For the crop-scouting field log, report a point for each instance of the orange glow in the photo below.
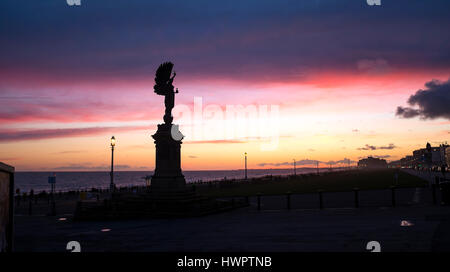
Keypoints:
(326, 118)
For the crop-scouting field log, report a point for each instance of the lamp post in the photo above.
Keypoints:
(245, 165)
(295, 170)
(111, 185)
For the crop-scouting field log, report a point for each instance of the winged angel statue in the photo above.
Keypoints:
(164, 86)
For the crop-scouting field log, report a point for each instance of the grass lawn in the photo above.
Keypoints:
(327, 182)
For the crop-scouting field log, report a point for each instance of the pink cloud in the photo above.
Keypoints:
(40, 134)
(33, 96)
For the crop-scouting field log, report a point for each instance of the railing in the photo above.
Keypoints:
(391, 197)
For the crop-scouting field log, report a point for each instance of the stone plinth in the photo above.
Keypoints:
(167, 176)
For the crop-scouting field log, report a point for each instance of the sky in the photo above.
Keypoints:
(318, 80)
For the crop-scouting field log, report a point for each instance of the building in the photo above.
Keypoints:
(429, 157)
(407, 161)
(372, 163)
(446, 156)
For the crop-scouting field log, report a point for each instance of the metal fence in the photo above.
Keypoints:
(391, 197)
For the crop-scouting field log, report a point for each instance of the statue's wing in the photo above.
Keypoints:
(163, 73)
(162, 77)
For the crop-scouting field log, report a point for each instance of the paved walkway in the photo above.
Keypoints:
(416, 226)
(397, 229)
(426, 175)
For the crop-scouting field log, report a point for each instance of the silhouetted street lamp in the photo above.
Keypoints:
(113, 143)
(245, 165)
(295, 170)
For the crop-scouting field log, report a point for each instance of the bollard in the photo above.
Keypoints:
(259, 202)
(433, 190)
(53, 208)
(393, 196)
(437, 180)
(356, 197)
(288, 200)
(320, 200)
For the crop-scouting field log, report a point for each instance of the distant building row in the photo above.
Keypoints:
(426, 158)
(372, 163)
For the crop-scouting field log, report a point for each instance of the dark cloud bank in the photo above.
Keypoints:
(431, 103)
(262, 39)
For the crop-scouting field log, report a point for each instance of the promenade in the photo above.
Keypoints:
(415, 224)
(427, 175)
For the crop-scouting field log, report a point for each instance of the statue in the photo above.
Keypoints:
(167, 176)
(164, 86)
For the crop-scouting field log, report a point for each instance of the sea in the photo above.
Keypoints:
(69, 181)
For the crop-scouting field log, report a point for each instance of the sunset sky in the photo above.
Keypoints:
(345, 76)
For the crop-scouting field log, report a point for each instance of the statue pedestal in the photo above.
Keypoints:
(167, 176)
